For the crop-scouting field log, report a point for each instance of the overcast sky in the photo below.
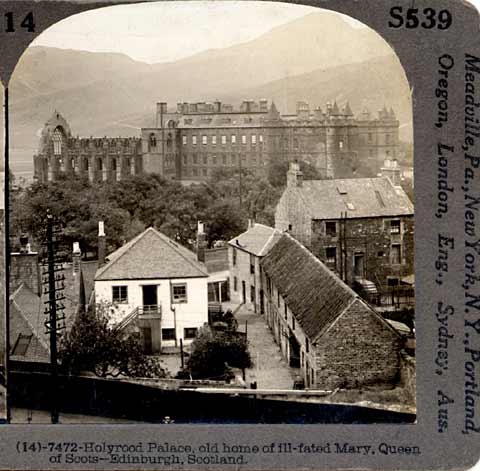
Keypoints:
(167, 31)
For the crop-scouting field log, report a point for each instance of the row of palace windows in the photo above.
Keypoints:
(389, 138)
(254, 139)
(223, 159)
(197, 172)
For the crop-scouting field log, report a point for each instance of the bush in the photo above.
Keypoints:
(214, 354)
(93, 346)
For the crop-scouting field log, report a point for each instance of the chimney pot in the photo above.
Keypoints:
(201, 242)
(101, 244)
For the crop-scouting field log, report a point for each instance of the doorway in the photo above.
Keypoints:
(294, 357)
(147, 340)
(359, 265)
(150, 299)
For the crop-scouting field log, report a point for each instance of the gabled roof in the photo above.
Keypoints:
(151, 255)
(314, 294)
(258, 240)
(27, 320)
(359, 197)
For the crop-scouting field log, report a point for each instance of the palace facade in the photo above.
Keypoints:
(194, 140)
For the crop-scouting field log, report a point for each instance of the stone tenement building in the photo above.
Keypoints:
(323, 327)
(361, 228)
(188, 144)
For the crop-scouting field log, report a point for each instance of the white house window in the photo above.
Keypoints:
(168, 334)
(120, 294)
(244, 139)
(224, 140)
(184, 140)
(260, 138)
(234, 139)
(189, 332)
(214, 140)
(254, 139)
(204, 140)
(179, 292)
(194, 140)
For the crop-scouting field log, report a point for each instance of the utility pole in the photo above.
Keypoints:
(53, 286)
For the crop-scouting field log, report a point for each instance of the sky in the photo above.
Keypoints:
(164, 31)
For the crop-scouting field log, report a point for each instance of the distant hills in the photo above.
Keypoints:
(318, 58)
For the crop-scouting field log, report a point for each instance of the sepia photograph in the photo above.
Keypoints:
(210, 221)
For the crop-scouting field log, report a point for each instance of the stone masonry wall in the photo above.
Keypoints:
(359, 349)
(374, 238)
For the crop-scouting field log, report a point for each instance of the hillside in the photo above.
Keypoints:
(323, 57)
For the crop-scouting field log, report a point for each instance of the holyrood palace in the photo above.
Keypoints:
(192, 141)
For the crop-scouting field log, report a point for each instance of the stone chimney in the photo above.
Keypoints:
(392, 170)
(161, 112)
(25, 268)
(294, 175)
(303, 110)
(201, 242)
(102, 245)
(76, 254)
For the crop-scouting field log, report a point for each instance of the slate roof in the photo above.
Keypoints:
(258, 240)
(27, 319)
(151, 255)
(314, 294)
(359, 197)
(72, 288)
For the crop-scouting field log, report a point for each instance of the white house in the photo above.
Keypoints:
(157, 288)
(245, 253)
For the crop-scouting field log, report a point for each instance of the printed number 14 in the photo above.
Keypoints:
(27, 23)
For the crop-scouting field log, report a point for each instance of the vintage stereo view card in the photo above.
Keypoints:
(240, 235)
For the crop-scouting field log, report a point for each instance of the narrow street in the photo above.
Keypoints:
(270, 370)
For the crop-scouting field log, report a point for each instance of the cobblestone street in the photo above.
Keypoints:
(270, 370)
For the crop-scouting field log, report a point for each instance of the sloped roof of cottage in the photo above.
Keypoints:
(151, 255)
(314, 294)
(359, 197)
(28, 339)
(258, 240)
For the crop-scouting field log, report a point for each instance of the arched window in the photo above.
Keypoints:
(152, 141)
(57, 139)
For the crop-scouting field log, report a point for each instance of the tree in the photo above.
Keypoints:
(213, 353)
(92, 345)
(277, 173)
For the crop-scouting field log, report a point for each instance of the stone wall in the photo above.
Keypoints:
(359, 349)
(372, 237)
